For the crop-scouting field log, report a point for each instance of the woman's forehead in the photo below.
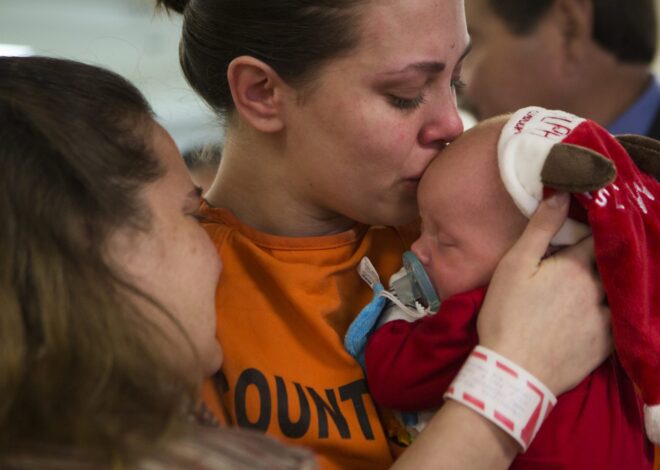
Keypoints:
(420, 30)
(175, 180)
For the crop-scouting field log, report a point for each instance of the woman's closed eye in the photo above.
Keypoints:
(413, 102)
(197, 215)
(404, 103)
(458, 84)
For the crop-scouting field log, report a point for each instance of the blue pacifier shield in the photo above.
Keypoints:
(417, 283)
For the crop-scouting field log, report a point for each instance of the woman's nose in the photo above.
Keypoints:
(444, 124)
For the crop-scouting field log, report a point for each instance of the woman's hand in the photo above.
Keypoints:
(547, 316)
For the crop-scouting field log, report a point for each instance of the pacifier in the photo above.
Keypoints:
(413, 286)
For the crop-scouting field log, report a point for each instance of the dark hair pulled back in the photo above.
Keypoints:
(176, 5)
(294, 37)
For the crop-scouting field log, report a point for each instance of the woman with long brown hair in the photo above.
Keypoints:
(333, 109)
(106, 284)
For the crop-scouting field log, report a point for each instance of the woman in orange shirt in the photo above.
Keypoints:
(333, 110)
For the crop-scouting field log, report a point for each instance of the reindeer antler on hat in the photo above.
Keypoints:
(615, 190)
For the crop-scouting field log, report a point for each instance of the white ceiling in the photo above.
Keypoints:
(126, 36)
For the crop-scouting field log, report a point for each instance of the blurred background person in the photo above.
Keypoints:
(590, 57)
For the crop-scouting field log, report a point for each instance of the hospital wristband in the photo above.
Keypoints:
(504, 393)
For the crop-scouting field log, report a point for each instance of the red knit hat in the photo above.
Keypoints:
(540, 149)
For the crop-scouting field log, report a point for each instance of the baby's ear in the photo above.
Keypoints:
(644, 151)
(576, 169)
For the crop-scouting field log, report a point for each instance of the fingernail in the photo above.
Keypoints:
(558, 200)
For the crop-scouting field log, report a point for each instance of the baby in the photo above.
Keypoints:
(469, 221)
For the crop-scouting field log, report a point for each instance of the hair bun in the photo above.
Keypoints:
(176, 5)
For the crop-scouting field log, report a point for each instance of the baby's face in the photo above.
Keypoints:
(468, 219)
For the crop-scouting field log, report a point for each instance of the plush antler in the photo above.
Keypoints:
(577, 169)
(644, 151)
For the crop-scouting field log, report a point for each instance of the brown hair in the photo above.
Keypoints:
(294, 37)
(78, 365)
(626, 29)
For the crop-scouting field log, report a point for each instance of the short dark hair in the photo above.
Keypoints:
(627, 29)
(78, 364)
(294, 37)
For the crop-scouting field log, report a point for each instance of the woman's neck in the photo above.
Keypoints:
(254, 184)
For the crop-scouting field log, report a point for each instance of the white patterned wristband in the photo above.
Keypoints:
(504, 393)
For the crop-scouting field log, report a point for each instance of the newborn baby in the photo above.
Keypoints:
(469, 221)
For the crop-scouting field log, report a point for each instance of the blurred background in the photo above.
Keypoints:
(126, 36)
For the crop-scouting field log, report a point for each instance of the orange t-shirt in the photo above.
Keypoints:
(283, 306)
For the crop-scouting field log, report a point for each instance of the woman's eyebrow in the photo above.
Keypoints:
(467, 50)
(424, 67)
(429, 67)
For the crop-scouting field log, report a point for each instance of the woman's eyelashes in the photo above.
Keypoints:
(400, 102)
(410, 103)
(197, 215)
(457, 84)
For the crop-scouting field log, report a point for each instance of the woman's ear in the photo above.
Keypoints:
(258, 93)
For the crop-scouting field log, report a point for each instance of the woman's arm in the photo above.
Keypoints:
(545, 316)
(458, 438)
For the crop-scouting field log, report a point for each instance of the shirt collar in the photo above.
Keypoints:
(638, 118)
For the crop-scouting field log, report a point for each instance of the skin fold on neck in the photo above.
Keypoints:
(254, 184)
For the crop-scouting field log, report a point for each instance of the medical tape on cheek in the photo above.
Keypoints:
(504, 393)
